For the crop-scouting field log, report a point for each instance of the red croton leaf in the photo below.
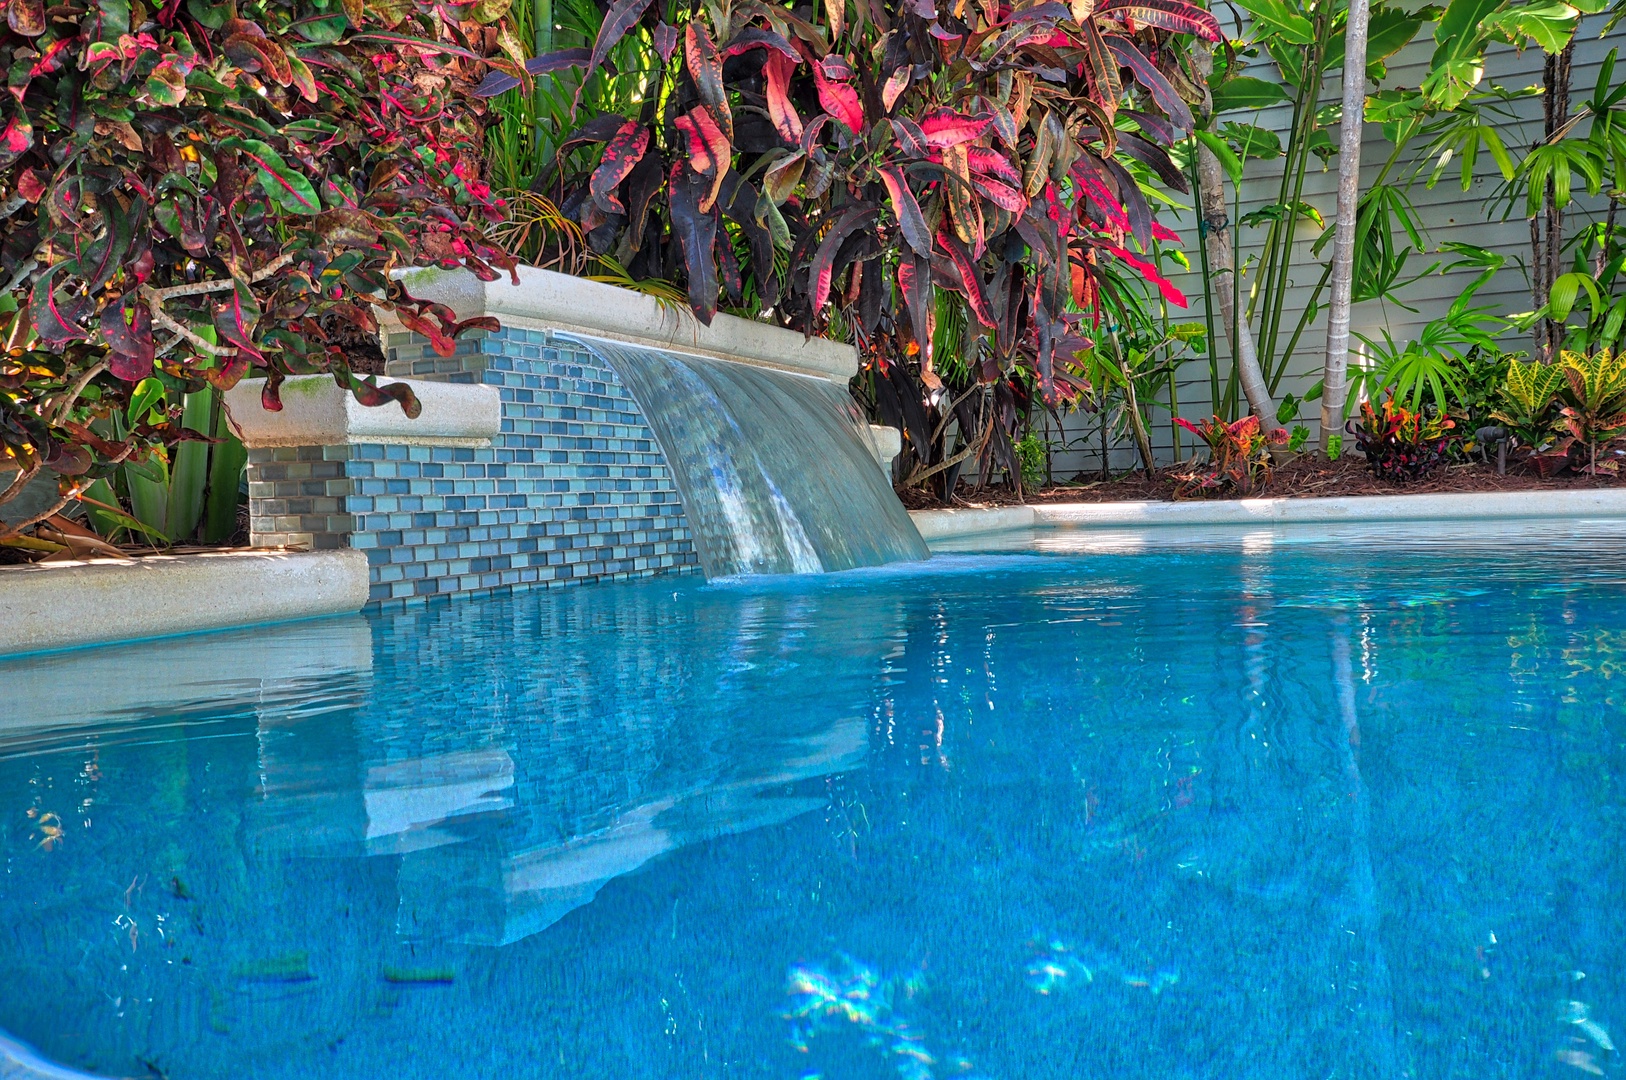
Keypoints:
(706, 69)
(910, 219)
(707, 141)
(1175, 16)
(992, 163)
(839, 100)
(1149, 271)
(945, 127)
(622, 152)
(776, 73)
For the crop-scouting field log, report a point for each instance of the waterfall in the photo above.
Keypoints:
(777, 471)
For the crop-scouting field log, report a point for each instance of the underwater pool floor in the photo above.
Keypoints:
(1269, 805)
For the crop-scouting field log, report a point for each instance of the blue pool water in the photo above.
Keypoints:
(1212, 806)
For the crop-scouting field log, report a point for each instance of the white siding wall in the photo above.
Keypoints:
(1449, 214)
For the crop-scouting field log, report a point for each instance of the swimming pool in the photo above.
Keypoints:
(1210, 805)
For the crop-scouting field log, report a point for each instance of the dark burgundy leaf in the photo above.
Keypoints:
(1156, 157)
(1155, 128)
(730, 267)
(970, 280)
(496, 82)
(666, 41)
(913, 282)
(621, 17)
(129, 339)
(753, 38)
(624, 151)
(910, 137)
(57, 322)
(910, 219)
(697, 232)
(1147, 74)
(823, 265)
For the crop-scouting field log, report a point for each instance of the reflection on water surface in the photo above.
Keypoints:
(1204, 809)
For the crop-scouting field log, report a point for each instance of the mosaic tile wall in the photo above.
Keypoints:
(574, 488)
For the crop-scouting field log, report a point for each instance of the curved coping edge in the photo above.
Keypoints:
(67, 605)
(946, 524)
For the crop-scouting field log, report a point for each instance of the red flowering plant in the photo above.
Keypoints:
(955, 187)
(199, 190)
(1401, 445)
(1238, 457)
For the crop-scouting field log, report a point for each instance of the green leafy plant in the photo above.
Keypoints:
(1528, 403)
(1238, 457)
(199, 191)
(1593, 411)
(1034, 456)
(1401, 445)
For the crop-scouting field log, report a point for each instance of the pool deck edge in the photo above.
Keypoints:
(49, 606)
(936, 525)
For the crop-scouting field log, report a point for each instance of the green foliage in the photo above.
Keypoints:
(1442, 366)
(1528, 402)
(1034, 456)
(1468, 28)
(202, 191)
(1593, 411)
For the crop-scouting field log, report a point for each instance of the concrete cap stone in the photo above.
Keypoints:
(546, 300)
(316, 412)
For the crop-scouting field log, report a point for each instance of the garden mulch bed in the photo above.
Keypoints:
(1303, 477)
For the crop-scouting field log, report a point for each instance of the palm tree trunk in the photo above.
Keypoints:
(1335, 371)
(1216, 232)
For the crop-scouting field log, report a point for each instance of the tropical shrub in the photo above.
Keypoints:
(1238, 457)
(955, 188)
(1592, 409)
(197, 191)
(1529, 403)
(1401, 445)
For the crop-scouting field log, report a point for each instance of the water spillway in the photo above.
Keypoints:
(776, 470)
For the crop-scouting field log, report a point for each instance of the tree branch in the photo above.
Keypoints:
(78, 388)
(160, 318)
(8, 531)
(23, 477)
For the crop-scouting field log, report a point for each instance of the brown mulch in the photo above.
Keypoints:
(1306, 476)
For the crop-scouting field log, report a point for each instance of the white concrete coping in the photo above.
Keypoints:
(934, 525)
(546, 300)
(316, 411)
(62, 605)
(948, 524)
(888, 444)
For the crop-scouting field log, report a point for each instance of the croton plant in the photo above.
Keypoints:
(873, 165)
(195, 191)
